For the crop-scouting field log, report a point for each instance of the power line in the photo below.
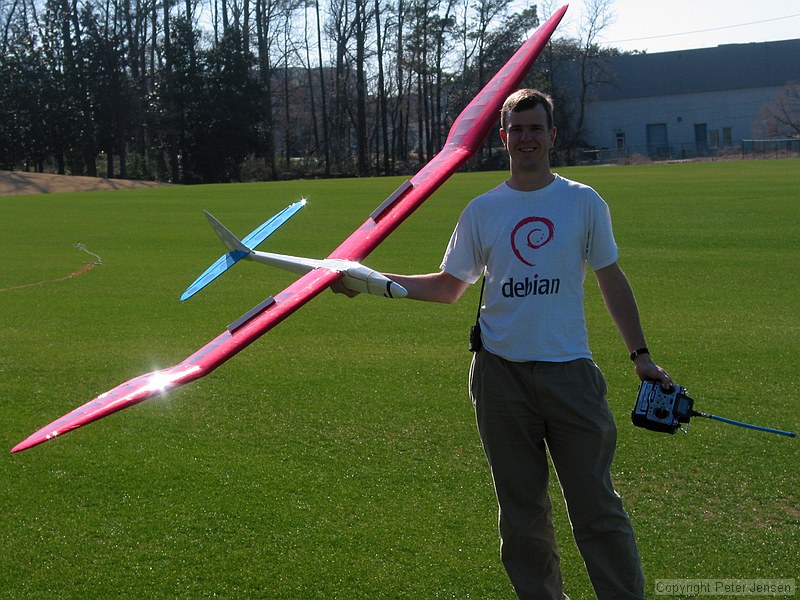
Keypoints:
(667, 35)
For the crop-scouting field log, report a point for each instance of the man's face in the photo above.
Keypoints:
(528, 138)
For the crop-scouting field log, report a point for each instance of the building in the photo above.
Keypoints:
(687, 103)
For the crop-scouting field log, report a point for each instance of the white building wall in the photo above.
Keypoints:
(727, 114)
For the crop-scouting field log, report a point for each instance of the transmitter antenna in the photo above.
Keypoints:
(745, 425)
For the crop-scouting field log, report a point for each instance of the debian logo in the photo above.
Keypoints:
(529, 235)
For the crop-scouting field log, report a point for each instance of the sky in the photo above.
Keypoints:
(663, 26)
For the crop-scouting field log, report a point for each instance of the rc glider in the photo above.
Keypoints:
(466, 135)
(355, 276)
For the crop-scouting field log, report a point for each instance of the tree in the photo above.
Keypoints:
(590, 71)
(267, 12)
(780, 117)
(382, 96)
(488, 35)
(155, 87)
(324, 96)
(222, 123)
(22, 134)
(108, 88)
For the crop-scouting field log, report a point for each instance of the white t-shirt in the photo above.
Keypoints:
(534, 248)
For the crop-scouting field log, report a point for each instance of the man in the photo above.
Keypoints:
(533, 383)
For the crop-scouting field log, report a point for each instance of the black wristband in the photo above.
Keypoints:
(636, 353)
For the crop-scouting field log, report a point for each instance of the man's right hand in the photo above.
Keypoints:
(338, 287)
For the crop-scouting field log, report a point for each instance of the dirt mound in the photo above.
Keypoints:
(14, 183)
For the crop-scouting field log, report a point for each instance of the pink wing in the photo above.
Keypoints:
(466, 135)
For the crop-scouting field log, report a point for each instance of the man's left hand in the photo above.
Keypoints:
(647, 369)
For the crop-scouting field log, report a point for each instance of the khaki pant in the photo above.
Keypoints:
(524, 411)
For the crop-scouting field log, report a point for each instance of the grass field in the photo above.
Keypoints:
(337, 457)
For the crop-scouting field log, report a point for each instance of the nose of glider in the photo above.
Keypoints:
(380, 285)
(362, 279)
(395, 290)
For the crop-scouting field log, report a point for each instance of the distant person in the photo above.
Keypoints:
(534, 385)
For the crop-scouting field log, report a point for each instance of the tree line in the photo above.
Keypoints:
(228, 90)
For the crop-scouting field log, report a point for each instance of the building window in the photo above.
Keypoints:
(727, 136)
(620, 140)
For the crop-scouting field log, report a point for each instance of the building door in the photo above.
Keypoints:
(701, 138)
(657, 144)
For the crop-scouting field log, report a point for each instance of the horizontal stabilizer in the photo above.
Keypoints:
(238, 249)
(218, 268)
(254, 238)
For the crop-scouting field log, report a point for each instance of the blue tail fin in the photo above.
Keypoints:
(238, 249)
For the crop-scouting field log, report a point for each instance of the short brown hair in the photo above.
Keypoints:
(526, 99)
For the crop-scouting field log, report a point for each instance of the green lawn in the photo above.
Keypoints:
(337, 457)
